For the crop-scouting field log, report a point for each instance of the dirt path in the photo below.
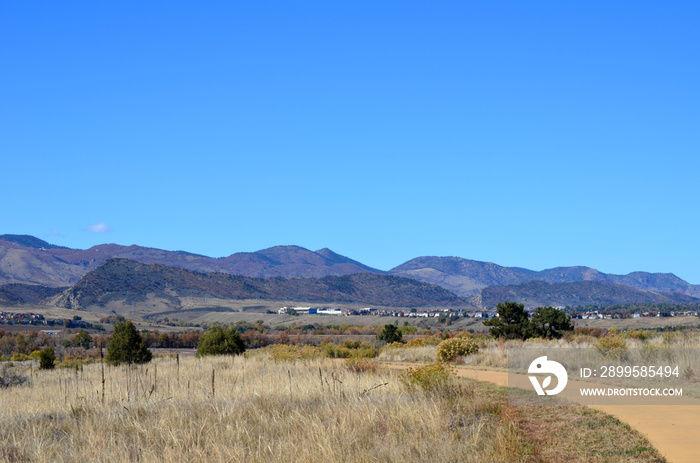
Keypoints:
(672, 429)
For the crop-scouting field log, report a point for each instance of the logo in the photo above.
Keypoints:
(543, 366)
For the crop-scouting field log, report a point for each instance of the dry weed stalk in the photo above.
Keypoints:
(253, 409)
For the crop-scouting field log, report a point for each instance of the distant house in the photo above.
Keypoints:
(328, 311)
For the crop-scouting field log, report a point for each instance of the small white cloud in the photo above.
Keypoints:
(99, 227)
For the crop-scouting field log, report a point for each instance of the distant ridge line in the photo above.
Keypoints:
(29, 260)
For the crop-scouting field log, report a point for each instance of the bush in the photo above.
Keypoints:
(425, 341)
(389, 334)
(47, 359)
(451, 349)
(430, 376)
(127, 346)
(19, 357)
(287, 353)
(612, 346)
(408, 329)
(361, 365)
(349, 349)
(640, 335)
(395, 345)
(220, 341)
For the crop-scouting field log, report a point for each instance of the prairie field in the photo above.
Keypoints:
(293, 407)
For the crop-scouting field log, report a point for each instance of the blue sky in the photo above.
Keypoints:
(533, 135)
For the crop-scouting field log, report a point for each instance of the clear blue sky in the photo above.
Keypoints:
(532, 134)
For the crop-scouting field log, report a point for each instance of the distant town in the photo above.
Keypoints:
(36, 319)
(415, 313)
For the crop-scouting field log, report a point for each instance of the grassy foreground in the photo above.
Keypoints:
(320, 410)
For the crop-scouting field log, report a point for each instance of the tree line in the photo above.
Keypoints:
(513, 322)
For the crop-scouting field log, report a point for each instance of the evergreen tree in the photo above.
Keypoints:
(511, 322)
(390, 333)
(548, 322)
(220, 341)
(127, 345)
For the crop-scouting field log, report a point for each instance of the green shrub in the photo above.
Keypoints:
(47, 359)
(389, 334)
(349, 349)
(220, 341)
(335, 351)
(354, 344)
(451, 349)
(408, 329)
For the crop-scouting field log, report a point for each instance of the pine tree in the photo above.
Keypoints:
(550, 323)
(127, 345)
(511, 323)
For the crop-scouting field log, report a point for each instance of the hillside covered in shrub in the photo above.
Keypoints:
(133, 282)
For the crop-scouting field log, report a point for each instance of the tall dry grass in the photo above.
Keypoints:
(219, 409)
(408, 354)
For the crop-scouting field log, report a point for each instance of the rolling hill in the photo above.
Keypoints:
(29, 260)
(467, 277)
(135, 283)
(26, 259)
(540, 293)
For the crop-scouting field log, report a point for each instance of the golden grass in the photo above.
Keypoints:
(275, 406)
(248, 409)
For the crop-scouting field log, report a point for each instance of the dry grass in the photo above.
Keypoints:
(260, 408)
(256, 410)
(408, 354)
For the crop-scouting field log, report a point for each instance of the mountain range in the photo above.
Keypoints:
(576, 293)
(26, 259)
(467, 277)
(29, 260)
(129, 282)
